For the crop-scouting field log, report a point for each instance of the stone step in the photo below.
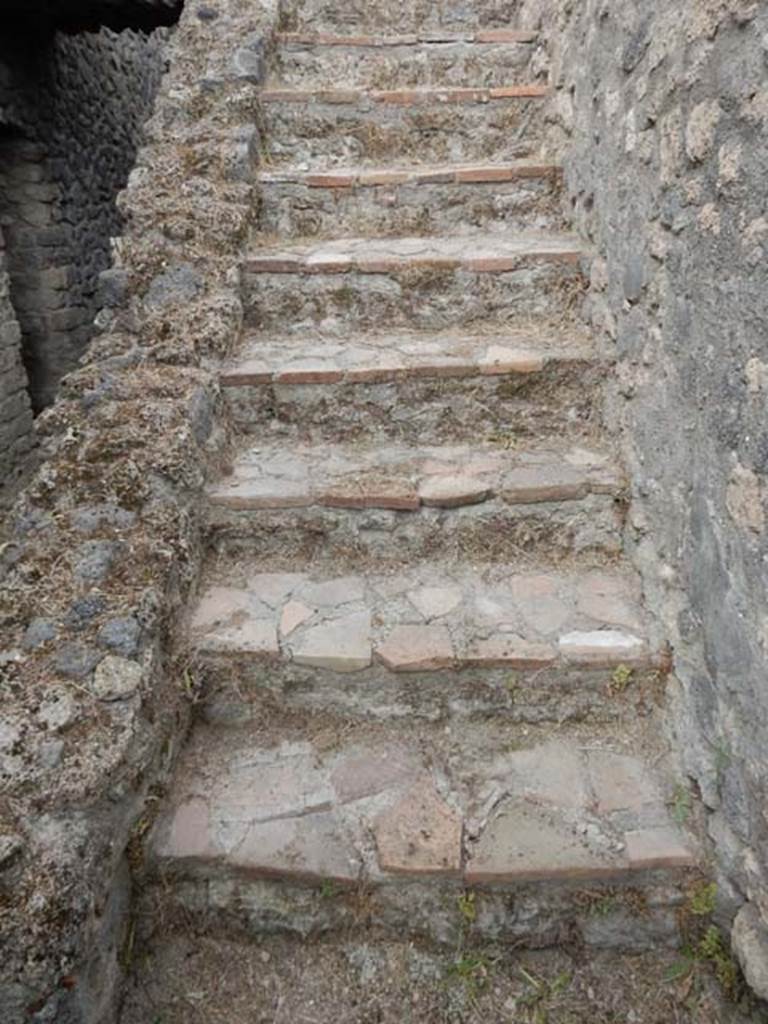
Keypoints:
(441, 829)
(426, 283)
(352, 126)
(448, 199)
(416, 388)
(362, 504)
(425, 59)
(425, 641)
(355, 17)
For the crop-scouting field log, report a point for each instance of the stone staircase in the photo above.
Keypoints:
(431, 688)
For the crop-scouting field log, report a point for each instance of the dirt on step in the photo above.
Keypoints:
(190, 980)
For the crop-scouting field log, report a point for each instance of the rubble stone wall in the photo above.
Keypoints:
(15, 412)
(661, 114)
(71, 112)
(103, 546)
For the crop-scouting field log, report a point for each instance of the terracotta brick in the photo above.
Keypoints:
(275, 265)
(518, 91)
(417, 649)
(508, 651)
(419, 835)
(317, 375)
(461, 95)
(338, 96)
(493, 264)
(602, 648)
(392, 494)
(436, 176)
(371, 178)
(330, 180)
(484, 174)
(403, 40)
(400, 97)
(504, 35)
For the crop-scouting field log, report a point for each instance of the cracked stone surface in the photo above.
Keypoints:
(374, 358)
(427, 619)
(393, 808)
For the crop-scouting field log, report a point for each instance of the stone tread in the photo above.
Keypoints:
(427, 619)
(441, 174)
(406, 478)
(494, 253)
(372, 358)
(385, 808)
(478, 36)
(407, 97)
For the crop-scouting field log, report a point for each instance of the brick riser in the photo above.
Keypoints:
(424, 297)
(588, 531)
(556, 400)
(246, 690)
(320, 133)
(297, 207)
(383, 64)
(642, 915)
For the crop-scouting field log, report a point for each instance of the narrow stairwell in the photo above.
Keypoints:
(432, 692)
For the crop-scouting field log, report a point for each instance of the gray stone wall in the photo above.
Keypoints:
(661, 112)
(15, 412)
(71, 112)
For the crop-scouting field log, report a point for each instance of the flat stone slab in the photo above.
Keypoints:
(427, 619)
(405, 479)
(375, 810)
(494, 253)
(374, 359)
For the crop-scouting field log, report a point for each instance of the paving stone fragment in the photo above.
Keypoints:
(417, 649)
(658, 848)
(510, 650)
(522, 845)
(341, 645)
(362, 775)
(453, 491)
(420, 834)
(312, 847)
(434, 602)
(621, 782)
(189, 834)
(530, 484)
(601, 647)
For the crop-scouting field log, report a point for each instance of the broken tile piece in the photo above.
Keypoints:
(507, 649)
(420, 834)
(524, 845)
(601, 647)
(341, 645)
(417, 649)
